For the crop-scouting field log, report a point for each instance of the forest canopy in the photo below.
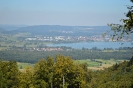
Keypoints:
(62, 72)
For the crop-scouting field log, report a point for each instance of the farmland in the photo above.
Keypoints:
(99, 64)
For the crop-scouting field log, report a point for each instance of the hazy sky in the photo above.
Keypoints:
(62, 12)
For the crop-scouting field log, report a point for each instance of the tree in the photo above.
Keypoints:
(9, 74)
(12, 74)
(50, 64)
(41, 74)
(26, 78)
(3, 70)
(130, 62)
(67, 74)
(126, 28)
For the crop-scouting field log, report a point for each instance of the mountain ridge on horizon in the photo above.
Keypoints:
(59, 30)
(9, 27)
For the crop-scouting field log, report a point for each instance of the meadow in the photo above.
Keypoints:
(99, 64)
(24, 65)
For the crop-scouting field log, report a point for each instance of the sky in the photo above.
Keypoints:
(62, 12)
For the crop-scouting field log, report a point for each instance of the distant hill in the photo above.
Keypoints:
(57, 30)
(2, 30)
(11, 27)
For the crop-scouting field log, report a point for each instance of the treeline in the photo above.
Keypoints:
(117, 76)
(62, 72)
(34, 56)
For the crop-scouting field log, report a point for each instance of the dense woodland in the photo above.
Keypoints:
(34, 56)
(62, 72)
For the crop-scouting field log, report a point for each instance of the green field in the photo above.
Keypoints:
(89, 62)
(24, 65)
(98, 64)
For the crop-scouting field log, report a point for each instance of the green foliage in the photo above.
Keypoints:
(117, 76)
(126, 27)
(130, 62)
(65, 68)
(9, 74)
(63, 72)
(50, 73)
(41, 73)
(34, 56)
(26, 78)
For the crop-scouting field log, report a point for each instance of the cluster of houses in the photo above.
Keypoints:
(48, 49)
(97, 38)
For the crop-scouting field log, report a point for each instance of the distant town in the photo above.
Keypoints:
(96, 38)
(36, 38)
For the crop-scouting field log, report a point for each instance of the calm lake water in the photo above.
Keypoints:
(89, 45)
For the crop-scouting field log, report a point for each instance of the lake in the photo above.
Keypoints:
(89, 45)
